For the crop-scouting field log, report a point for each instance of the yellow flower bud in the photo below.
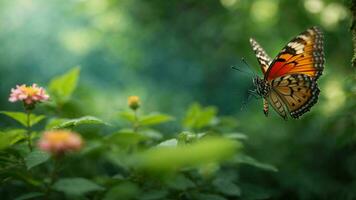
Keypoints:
(133, 102)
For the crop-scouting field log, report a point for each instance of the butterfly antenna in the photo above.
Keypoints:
(249, 66)
(237, 69)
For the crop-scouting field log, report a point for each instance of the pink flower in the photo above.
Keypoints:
(28, 94)
(60, 141)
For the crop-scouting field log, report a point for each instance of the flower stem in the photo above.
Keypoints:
(52, 175)
(136, 122)
(28, 126)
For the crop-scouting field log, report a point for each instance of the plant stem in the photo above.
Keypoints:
(52, 175)
(28, 124)
(136, 122)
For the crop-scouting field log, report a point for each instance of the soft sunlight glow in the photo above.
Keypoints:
(264, 11)
(228, 3)
(332, 14)
(78, 41)
(335, 96)
(314, 6)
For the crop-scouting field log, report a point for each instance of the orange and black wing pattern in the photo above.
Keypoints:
(302, 55)
(298, 92)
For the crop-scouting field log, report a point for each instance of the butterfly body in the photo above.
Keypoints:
(289, 82)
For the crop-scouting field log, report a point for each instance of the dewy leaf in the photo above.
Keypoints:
(80, 121)
(22, 117)
(62, 87)
(76, 186)
(35, 158)
(10, 137)
(154, 119)
(30, 195)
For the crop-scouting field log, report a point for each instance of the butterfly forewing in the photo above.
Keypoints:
(302, 55)
(262, 57)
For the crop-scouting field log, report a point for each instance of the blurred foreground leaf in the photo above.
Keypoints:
(10, 137)
(30, 195)
(87, 120)
(208, 150)
(76, 186)
(35, 158)
(62, 87)
(21, 117)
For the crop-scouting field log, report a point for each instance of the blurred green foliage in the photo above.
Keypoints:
(173, 53)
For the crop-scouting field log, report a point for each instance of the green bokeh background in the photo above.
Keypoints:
(173, 53)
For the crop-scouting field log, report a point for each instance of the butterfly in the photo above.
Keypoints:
(290, 80)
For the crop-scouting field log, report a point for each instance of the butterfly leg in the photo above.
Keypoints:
(265, 107)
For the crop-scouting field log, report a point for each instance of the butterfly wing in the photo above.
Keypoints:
(277, 104)
(298, 92)
(302, 55)
(261, 55)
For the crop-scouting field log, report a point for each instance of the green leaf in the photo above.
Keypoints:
(129, 116)
(153, 134)
(22, 117)
(187, 137)
(126, 190)
(30, 195)
(154, 119)
(10, 137)
(236, 136)
(169, 143)
(202, 152)
(35, 158)
(253, 162)
(181, 182)
(226, 187)
(87, 120)
(198, 117)
(154, 195)
(76, 186)
(125, 137)
(200, 196)
(54, 122)
(62, 87)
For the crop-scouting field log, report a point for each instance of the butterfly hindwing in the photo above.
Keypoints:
(298, 92)
(277, 104)
(261, 55)
(302, 55)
